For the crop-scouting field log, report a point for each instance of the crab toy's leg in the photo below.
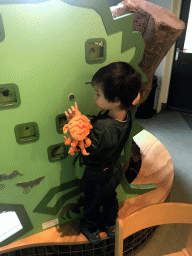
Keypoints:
(87, 142)
(82, 146)
(71, 151)
(73, 148)
(74, 143)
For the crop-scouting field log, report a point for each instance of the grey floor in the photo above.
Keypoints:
(174, 130)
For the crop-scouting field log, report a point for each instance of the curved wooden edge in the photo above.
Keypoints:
(156, 214)
(181, 253)
(66, 234)
(184, 252)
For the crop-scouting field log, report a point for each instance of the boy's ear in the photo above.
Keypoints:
(137, 99)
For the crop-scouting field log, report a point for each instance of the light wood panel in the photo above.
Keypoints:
(181, 253)
(157, 167)
(152, 215)
(65, 234)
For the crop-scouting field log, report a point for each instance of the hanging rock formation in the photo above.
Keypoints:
(160, 29)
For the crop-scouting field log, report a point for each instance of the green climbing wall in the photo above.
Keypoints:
(48, 51)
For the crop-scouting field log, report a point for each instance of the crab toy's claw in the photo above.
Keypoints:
(65, 128)
(87, 142)
(67, 141)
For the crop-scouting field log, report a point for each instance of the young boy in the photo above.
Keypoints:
(117, 87)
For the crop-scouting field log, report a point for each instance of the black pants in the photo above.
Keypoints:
(97, 193)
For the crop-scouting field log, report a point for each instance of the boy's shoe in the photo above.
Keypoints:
(110, 231)
(94, 237)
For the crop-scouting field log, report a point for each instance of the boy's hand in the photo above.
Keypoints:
(72, 113)
(137, 99)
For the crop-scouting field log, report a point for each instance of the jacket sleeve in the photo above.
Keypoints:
(99, 137)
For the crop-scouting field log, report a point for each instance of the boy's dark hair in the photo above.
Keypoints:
(119, 79)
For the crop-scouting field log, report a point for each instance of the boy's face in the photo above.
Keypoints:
(100, 99)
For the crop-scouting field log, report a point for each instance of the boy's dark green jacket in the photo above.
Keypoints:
(106, 136)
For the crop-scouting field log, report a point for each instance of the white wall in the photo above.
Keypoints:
(163, 3)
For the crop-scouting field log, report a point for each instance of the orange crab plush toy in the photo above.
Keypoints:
(78, 127)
